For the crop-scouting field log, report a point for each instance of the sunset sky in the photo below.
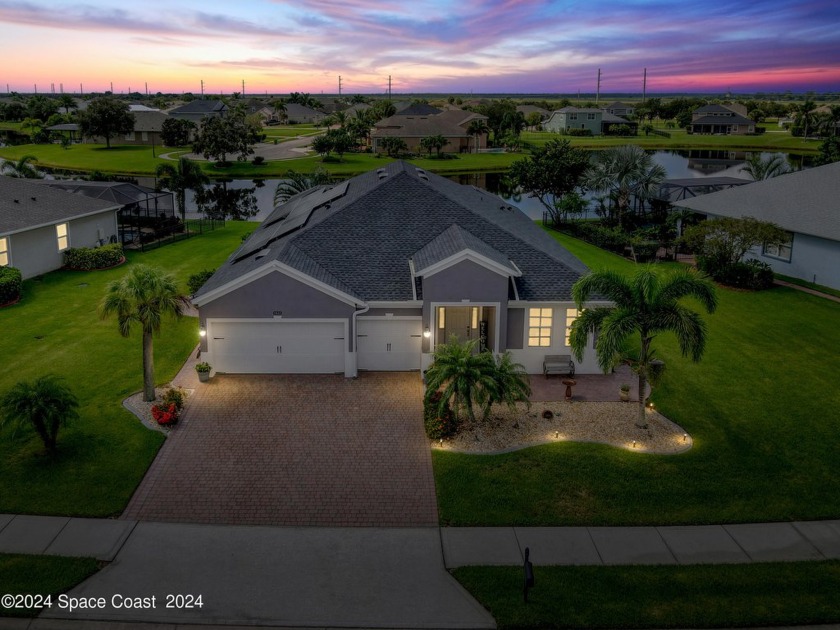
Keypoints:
(479, 46)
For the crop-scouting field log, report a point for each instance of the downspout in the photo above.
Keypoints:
(355, 340)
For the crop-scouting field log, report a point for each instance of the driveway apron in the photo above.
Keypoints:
(295, 450)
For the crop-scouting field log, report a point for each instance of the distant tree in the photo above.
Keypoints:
(647, 305)
(765, 168)
(726, 240)
(41, 107)
(21, 168)
(359, 126)
(829, 151)
(393, 146)
(45, 404)
(322, 145)
(106, 116)
(380, 110)
(804, 115)
(294, 183)
(341, 141)
(12, 111)
(143, 297)
(477, 128)
(435, 143)
(533, 119)
(279, 107)
(219, 137)
(500, 114)
(176, 132)
(178, 178)
(67, 102)
(224, 203)
(550, 172)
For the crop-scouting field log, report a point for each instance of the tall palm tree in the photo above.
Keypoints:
(187, 174)
(645, 305)
(67, 102)
(294, 183)
(465, 376)
(22, 168)
(143, 296)
(805, 115)
(45, 403)
(760, 168)
(476, 128)
(620, 171)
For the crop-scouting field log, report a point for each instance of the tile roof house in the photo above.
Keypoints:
(37, 223)
(373, 273)
(721, 119)
(805, 203)
(452, 124)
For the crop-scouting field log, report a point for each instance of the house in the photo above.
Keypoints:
(452, 124)
(721, 119)
(567, 118)
(377, 271)
(610, 124)
(199, 109)
(301, 114)
(38, 223)
(617, 108)
(805, 203)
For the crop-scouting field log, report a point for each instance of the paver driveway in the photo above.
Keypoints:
(316, 450)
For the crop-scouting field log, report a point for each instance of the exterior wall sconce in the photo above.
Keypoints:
(427, 333)
(202, 331)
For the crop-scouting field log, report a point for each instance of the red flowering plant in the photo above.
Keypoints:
(165, 415)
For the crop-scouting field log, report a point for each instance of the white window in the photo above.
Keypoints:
(4, 251)
(61, 235)
(572, 116)
(590, 116)
(781, 251)
(539, 327)
(571, 315)
(441, 317)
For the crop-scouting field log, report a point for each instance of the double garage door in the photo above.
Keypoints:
(313, 347)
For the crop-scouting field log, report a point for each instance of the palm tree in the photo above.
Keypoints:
(22, 168)
(143, 296)
(646, 304)
(294, 183)
(45, 403)
(805, 115)
(510, 384)
(67, 102)
(760, 168)
(476, 128)
(187, 174)
(467, 377)
(620, 171)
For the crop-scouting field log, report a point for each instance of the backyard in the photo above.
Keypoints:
(758, 407)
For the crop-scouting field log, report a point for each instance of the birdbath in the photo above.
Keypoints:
(569, 383)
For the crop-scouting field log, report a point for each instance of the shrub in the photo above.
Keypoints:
(752, 274)
(197, 280)
(577, 132)
(10, 283)
(258, 160)
(612, 239)
(165, 414)
(90, 258)
(173, 396)
(438, 425)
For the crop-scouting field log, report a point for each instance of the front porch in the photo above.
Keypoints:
(589, 387)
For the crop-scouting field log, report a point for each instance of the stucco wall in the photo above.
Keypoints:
(812, 258)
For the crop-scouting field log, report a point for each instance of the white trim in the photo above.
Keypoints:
(6, 251)
(413, 284)
(62, 220)
(269, 267)
(472, 256)
(433, 325)
(387, 304)
(537, 303)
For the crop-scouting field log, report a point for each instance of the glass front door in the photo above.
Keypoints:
(467, 323)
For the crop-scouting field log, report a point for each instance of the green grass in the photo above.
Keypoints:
(44, 575)
(660, 597)
(809, 285)
(759, 407)
(125, 160)
(56, 329)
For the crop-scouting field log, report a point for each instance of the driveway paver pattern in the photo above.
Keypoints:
(295, 450)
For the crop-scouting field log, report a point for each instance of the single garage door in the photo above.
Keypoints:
(388, 344)
(277, 347)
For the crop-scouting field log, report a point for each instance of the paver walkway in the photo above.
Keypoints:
(305, 450)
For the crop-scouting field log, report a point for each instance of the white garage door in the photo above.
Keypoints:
(277, 347)
(389, 344)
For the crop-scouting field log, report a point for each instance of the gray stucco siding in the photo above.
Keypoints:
(812, 258)
(516, 329)
(274, 292)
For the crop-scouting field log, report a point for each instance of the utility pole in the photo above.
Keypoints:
(112, 87)
(147, 88)
(81, 90)
(598, 88)
(202, 88)
(339, 85)
(61, 87)
(52, 88)
(36, 88)
(389, 87)
(644, 87)
(243, 88)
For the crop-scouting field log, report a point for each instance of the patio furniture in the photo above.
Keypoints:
(560, 364)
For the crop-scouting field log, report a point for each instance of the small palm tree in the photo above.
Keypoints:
(645, 305)
(45, 403)
(759, 168)
(463, 376)
(510, 385)
(620, 171)
(143, 296)
(187, 174)
(22, 168)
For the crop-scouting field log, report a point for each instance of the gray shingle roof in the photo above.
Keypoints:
(199, 106)
(806, 201)
(452, 241)
(365, 238)
(25, 204)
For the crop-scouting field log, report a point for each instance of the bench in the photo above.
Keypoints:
(561, 364)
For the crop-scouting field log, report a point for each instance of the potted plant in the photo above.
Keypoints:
(203, 370)
(624, 392)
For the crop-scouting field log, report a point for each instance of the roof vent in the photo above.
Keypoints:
(16, 201)
(33, 199)
(262, 253)
(422, 174)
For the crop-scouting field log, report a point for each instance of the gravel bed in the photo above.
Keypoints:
(143, 409)
(611, 423)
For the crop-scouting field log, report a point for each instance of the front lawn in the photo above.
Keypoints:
(699, 596)
(760, 407)
(56, 329)
(40, 575)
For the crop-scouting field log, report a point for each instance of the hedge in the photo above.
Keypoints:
(89, 258)
(752, 274)
(10, 283)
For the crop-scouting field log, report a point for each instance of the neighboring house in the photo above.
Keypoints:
(418, 109)
(562, 120)
(38, 223)
(608, 121)
(147, 126)
(527, 110)
(301, 114)
(805, 203)
(452, 124)
(721, 119)
(198, 110)
(617, 108)
(377, 271)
